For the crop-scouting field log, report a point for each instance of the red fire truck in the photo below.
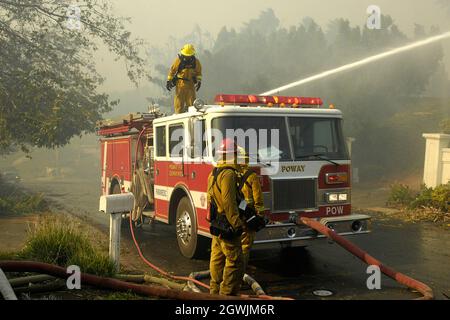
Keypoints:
(304, 169)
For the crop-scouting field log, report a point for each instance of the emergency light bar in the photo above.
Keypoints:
(242, 99)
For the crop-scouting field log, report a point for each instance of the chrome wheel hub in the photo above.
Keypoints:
(184, 228)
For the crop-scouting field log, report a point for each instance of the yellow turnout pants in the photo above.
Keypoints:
(226, 266)
(247, 239)
(184, 97)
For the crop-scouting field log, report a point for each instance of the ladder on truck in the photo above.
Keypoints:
(142, 178)
(131, 123)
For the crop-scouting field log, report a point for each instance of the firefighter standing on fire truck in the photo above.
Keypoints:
(251, 189)
(226, 264)
(186, 76)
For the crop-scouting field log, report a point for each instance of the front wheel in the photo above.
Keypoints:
(116, 189)
(190, 243)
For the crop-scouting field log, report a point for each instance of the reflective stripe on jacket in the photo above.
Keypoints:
(226, 197)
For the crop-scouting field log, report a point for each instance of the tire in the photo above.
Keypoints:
(191, 244)
(116, 189)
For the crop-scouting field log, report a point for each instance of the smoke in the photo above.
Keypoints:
(360, 63)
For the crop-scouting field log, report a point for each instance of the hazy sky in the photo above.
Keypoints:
(156, 20)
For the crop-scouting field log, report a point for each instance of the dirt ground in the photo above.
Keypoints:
(13, 231)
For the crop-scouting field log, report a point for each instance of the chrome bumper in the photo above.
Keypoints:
(290, 232)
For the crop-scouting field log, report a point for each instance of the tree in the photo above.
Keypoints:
(266, 23)
(444, 4)
(48, 81)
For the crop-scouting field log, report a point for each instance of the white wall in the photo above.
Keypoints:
(437, 159)
(445, 165)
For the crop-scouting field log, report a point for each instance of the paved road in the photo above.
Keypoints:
(418, 250)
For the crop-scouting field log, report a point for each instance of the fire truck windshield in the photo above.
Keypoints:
(310, 136)
(264, 138)
(317, 136)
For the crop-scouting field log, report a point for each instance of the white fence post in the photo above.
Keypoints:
(355, 171)
(349, 141)
(434, 162)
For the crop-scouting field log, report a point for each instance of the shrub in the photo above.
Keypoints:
(14, 200)
(437, 198)
(58, 242)
(400, 195)
(422, 199)
(23, 204)
(441, 197)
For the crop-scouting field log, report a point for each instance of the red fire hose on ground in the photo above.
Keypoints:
(425, 290)
(114, 284)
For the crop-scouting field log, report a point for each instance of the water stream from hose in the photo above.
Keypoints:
(360, 63)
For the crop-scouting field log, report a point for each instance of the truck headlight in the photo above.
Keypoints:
(332, 197)
(336, 197)
(343, 197)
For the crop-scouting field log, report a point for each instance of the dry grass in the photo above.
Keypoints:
(58, 239)
(426, 214)
(427, 204)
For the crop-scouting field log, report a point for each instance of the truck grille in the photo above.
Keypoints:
(294, 194)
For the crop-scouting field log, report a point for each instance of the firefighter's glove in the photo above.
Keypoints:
(198, 85)
(169, 85)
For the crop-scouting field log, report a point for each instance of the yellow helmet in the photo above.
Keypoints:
(188, 50)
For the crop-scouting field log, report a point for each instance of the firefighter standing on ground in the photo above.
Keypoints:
(251, 189)
(186, 76)
(226, 264)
